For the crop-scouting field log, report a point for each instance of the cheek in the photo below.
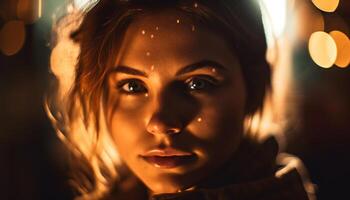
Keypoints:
(221, 125)
(220, 130)
(125, 110)
(127, 125)
(220, 117)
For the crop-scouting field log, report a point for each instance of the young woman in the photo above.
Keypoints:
(160, 102)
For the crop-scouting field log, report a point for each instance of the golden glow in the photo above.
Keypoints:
(326, 5)
(29, 10)
(343, 47)
(82, 4)
(323, 49)
(70, 8)
(64, 55)
(12, 37)
(63, 58)
(81, 139)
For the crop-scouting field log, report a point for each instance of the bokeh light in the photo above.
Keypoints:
(29, 10)
(326, 5)
(12, 37)
(343, 48)
(323, 49)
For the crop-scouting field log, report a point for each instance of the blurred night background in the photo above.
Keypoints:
(312, 74)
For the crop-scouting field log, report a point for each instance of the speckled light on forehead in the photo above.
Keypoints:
(193, 28)
(149, 32)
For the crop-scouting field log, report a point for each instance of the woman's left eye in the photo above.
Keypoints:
(132, 86)
(200, 83)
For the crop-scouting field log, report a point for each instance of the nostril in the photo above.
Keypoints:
(173, 131)
(163, 129)
(158, 124)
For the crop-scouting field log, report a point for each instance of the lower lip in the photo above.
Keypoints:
(167, 162)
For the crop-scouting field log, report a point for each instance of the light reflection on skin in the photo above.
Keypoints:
(139, 121)
(193, 27)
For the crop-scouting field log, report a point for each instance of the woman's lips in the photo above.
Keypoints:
(168, 158)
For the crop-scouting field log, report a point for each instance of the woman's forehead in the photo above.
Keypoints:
(163, 17)
(157, 37)
(164, 24)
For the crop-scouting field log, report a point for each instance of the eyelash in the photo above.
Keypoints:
(123, 83)
(209, 82)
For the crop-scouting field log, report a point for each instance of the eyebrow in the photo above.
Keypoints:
(189, 68)
(129, 70)
(200, 65)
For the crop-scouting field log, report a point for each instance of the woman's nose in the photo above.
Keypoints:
(160, 124)
(171, 111)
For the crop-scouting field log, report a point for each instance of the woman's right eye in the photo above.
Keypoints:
(132, 86)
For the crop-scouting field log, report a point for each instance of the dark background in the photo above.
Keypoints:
(32, 160)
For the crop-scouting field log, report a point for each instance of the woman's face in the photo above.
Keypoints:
(176, 101)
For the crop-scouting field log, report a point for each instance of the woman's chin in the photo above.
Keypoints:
(162, 187)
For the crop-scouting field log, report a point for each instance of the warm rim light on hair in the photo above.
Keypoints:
(274, 15)
(81, 4)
